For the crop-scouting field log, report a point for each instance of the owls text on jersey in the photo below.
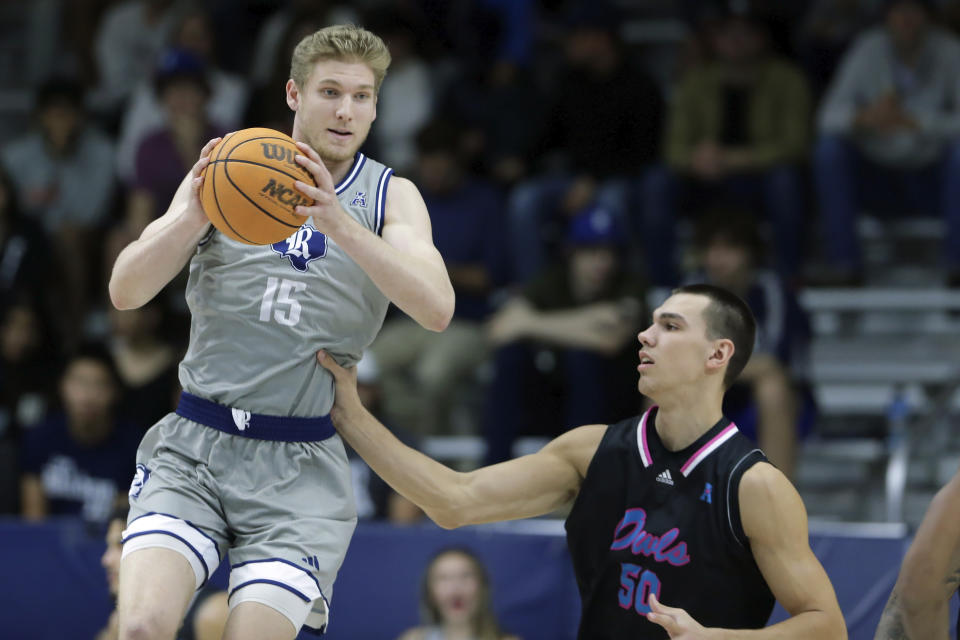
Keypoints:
(260, 313)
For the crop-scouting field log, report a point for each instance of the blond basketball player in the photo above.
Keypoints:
(249, 465)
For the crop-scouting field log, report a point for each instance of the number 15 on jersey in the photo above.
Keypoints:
(281, 292)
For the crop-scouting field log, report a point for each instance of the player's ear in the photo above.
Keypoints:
(293, 95)
(720, 354)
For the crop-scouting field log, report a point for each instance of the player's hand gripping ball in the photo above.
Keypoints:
(248, 191)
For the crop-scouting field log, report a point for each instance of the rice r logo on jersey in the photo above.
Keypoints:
(303, 247)
(140, 477)
(360, 199)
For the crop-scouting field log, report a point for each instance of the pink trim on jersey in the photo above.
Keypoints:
(708, 448)
(642, 438)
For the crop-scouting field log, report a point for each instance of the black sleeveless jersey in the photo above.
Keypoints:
(648, 520)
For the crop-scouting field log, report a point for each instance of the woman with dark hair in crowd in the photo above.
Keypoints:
(455, 601)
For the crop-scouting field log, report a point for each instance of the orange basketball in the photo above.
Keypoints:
(248, 191)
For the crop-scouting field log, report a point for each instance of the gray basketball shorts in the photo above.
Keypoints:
(283, 510)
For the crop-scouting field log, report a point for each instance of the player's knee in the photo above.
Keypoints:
(145, 625)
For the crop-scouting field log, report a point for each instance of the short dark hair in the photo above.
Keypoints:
(59, 90)
(732, 225)
(727, 316)
(99, 353)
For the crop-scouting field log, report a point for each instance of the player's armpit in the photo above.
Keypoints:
(529, 486)
(775, 521)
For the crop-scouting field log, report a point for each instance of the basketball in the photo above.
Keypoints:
(248, 191)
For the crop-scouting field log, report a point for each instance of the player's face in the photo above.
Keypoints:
(335, 108)
(674, 349)
(455, 586)
(111, 557)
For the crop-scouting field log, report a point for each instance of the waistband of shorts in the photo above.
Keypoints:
(258, 426)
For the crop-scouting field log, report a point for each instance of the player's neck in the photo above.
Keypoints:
(338, 168)
(681, 420)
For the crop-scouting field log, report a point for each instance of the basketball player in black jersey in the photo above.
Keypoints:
(674, 505)
(919, 606)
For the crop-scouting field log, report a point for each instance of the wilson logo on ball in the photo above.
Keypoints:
(279, 152)
(283, 194)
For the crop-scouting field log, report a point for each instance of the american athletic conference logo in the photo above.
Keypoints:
(303, 247)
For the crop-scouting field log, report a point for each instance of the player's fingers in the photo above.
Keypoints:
(659, 607)
(199, 166)
(207, 148)
(329, 363)
(315, 193)
(320, 172)
(665, 621)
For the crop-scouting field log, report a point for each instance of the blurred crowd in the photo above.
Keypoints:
(576, 157)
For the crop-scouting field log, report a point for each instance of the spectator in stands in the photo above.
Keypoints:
(272, 44)
(25, 364)
(80, 461)
(374, 498)
(146, 362)
(207, 615)
(499, 147)
(167, 153)
(264, 109)
(145, 114)
(132, 33)
(455, 600)
(771, 402)
(603, 127)
(566, 342)
(406, 99)
(423, 369)
(738, 128)
(888, 134)
(27, 266)
(828, 28)
(64, 178)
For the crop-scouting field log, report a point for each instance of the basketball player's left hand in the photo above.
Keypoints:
(346, 398)
(678, 623)
(326, 210)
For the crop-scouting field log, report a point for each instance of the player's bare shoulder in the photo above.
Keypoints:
(404, 204)
(768, 500)
(578, 446)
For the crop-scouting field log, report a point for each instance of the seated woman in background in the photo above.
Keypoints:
(455, 600)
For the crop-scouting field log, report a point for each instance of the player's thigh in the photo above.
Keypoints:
(292, 514)
(256, 621)
(156, 586)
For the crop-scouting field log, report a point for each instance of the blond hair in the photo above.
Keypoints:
(344, 42)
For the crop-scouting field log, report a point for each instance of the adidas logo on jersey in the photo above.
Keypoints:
(665, 477)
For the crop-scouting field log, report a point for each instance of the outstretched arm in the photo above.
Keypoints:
(403, 264)
(775, 521)
(919, 604)
(525, 487)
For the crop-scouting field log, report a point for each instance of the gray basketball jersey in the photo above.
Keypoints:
(260, 313)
